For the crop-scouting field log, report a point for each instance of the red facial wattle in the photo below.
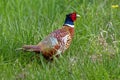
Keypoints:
(73, 16)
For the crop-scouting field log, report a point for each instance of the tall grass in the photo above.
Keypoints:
(93, 54)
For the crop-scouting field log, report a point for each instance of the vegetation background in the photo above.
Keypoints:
(93, 55)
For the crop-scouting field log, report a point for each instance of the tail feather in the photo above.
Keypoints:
(19, 49)
(30, 48)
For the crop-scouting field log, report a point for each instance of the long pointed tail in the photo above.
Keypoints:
(31, 48)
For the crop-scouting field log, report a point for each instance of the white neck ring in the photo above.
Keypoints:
(70, 25)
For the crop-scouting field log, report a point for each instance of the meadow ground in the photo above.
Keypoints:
(93, 55)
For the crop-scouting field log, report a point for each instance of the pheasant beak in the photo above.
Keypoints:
(78, 15)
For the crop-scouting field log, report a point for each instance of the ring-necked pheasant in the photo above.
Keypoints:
(57, 41)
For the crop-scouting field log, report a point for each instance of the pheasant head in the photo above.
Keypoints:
(70, 18)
